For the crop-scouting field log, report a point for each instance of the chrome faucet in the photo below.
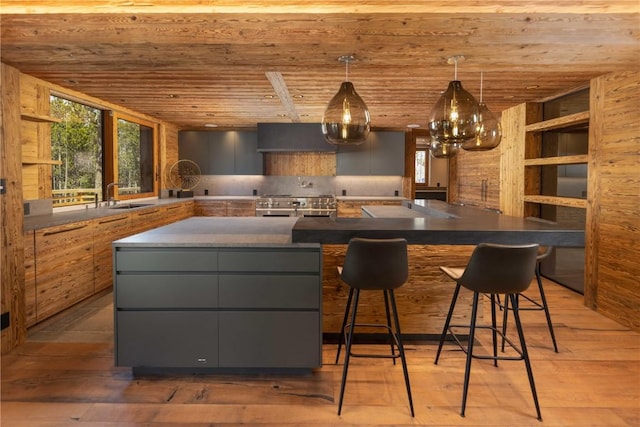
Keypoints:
(111, 198)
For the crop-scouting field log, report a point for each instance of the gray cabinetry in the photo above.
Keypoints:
(221, 153)
(218, 308)
(381, 154)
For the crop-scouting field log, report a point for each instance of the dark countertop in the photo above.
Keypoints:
(439, 224)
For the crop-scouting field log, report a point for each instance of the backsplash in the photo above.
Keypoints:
(243, 185)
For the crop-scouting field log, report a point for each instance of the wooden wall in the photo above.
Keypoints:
(300, 164)
(11, 212)
(612, 273)
(478, 181)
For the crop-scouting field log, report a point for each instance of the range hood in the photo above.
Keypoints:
(292, 137)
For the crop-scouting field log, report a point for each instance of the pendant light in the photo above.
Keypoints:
(346, 120)
(454, 117)
(441, 150)
(489, 130)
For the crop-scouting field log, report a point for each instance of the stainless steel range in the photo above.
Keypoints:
(287, 205)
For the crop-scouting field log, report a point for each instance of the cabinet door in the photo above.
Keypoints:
(387, 153)
(64, 267)
(222, 153)
(241, 208)
(195, 146)
(276, 291)
(105, 231)
(353, 159)
(265, 339)
(248, 161)
(29, 278)
(185, 339)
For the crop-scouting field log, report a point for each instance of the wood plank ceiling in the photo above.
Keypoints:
(237, 63)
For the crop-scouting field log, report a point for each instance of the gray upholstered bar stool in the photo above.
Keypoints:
(492, 270)
(533, 304)
(374, 265)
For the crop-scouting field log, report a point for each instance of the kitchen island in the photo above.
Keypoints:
(218, 295)
(438, 234)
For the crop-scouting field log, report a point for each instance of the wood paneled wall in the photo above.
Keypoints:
(422, 302)
(300, 164)
(478, 179)
(12, 270)
(512, 155)
(612, 273)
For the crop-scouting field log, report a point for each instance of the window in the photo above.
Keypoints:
(76, 142)
(97, 147)
(135, 158)
(131, 159)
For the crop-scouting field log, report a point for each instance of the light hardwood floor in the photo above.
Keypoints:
(64, 376)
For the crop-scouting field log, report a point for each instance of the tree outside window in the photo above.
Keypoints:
(76, 141)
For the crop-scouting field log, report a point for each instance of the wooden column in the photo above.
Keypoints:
(12, 304)
(612, 250)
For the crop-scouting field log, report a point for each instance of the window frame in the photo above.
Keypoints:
(110, 121)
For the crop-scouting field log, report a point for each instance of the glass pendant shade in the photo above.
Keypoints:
(489, 132)
(441, 150)
(454, 117)
(346, 120)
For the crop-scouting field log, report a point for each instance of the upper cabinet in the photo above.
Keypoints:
(292, 137)
(222, 153)
(381, 154)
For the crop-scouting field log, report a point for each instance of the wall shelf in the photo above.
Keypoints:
(40, 118)
(41, 162)
(557, 201)
(568, 121)
(560, 160)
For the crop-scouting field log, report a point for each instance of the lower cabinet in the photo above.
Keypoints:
(353, 208)
(219, 308)
(64, 267)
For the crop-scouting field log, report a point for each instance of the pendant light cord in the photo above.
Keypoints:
(481, 79)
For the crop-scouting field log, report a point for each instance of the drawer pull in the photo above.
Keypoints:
(107, 221)
(51, 233)
(143, 213)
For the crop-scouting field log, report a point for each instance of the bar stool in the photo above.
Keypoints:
(374, 265)
(534, 305)
(493, 269)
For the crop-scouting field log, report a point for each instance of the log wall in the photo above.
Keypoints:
(612, 271)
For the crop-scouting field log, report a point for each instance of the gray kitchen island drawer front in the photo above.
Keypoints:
(173, 259)
(167, 339)
(291, 260)
(269, 291)
(167, 290)
(270, 340)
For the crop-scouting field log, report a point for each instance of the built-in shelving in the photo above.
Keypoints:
(41, 118)
(41, 162)
(571, 120)
(560, 160)
(557, 201)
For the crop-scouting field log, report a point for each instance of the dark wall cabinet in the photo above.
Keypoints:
(222, 153)
(382, 154)
(293, 137)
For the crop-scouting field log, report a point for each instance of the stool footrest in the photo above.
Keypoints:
(482, 356)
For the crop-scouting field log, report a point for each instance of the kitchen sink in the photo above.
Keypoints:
(130, 205)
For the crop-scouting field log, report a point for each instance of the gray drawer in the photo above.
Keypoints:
(184, 259)
(296, 260)
(167, 339)
(166, 290)
(269, 291)
(270, 340)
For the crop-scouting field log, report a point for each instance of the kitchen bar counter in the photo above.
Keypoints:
(217, 232)
(439, 223)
